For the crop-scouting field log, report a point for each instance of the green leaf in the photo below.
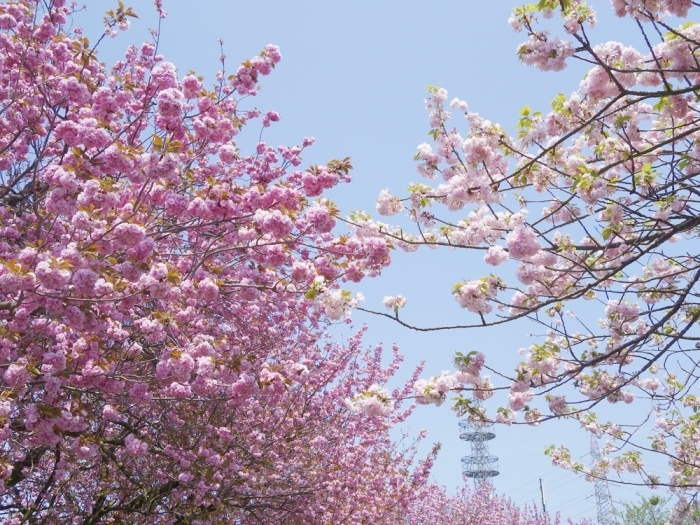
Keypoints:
(558, 102)
(621, 119)
(661, 104)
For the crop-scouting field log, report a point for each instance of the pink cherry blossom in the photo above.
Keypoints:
(496, 255)
(587, 198)
(165, 296)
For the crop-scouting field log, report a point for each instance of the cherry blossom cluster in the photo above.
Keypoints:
(164, 298)
(588, 213)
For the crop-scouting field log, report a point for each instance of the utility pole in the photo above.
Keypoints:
(544, 505)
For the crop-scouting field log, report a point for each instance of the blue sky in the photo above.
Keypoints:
(353, 75)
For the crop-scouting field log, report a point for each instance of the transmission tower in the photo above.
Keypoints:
(480, 466)
(603, 500)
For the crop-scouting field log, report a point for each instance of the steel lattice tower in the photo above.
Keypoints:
(603, 500)
(480, 466)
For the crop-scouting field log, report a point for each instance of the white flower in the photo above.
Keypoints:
(387, 204)
(394, 303)
(375, 401)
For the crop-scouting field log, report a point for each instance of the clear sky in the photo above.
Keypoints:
(353, 75)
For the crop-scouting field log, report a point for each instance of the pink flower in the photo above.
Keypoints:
(104, 103)
(5, 408)
(139, 392)
(652, 383)
(93, 136)
(135, 446)
(376, 251)
(679, 8)
(273, 53)
(474, 365)
(84, 280)
(7, 21)
(475, 296)
(598, 83)
(128, 234)
(164, 75)
(16, 375)
(496, 255)
(558, 405)
(477, 149)
(274, 223)
(270, 116)
(52, 278)
(110, 414)
(374, 402)
(522, 243)
(69, 132)
(191, 86)
(320, 218)
(301, 271)
(208, 290)
(227, 153)
(75, 92)
(387, 204)
(392, 303)
(545, 52)
(315, 182)
(170, 103)
(518, 399)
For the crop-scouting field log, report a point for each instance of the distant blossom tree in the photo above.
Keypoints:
(482, 507)
(591, 212)
(163, 300)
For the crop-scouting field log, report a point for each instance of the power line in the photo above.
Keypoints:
(586, 510)
(550, 471)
